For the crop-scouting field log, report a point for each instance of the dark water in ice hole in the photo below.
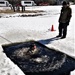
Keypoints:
(44, 61)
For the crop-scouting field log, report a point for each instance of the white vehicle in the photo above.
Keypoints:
(27, 3)
(4, 3)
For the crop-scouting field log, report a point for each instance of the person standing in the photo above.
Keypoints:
(64, 19)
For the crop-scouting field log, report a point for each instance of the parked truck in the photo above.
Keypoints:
(4, 3)
(28, 3)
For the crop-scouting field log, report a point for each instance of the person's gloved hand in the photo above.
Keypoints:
(67, 23)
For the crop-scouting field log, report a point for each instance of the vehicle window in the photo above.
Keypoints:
(27, 2)
(2, 2)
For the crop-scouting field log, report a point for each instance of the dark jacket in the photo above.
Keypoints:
(65, 15)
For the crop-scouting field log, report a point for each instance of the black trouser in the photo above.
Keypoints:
(63, 29)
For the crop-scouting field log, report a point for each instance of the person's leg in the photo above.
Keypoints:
(64, 31)
(64, 26)
(60, 30)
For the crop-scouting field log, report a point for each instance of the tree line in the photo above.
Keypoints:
(17, 3)
(51, 2)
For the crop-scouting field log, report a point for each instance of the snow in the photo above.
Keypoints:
(18, 29)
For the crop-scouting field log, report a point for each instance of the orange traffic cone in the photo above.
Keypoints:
(52, 28)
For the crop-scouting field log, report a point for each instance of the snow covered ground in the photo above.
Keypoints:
(18, 29)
